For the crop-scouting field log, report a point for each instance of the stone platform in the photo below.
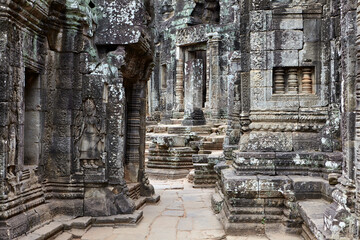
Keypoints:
(248, 204)
(170, 149)
(184, 213)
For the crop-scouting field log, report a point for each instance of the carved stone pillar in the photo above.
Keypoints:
(292, 81)
(180, 85)
(306, 81)
(279, 81)
(214, 74)
(133, 135)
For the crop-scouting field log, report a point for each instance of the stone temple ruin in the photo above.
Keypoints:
(257, 99)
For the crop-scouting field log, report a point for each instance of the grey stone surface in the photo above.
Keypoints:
(275, 82)
(62, 119)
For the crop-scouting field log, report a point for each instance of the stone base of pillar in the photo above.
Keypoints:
(196, 118)
(178, 115)
(192, 122)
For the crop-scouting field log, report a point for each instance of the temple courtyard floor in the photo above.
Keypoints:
(182, 213)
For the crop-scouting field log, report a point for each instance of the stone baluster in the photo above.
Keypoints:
(180, 85)
(306, 81)
(292, 81)
(279, 81)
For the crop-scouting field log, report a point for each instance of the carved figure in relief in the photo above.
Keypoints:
(11, 164)
(12, 152)
(91, 141)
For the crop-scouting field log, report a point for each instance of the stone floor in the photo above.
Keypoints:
(182, 213)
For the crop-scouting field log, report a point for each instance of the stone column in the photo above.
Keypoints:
(279, 81)
(214, 75)
(343, 208)
(4, 107)
(193, 114)
(306, 81)
(179, 81)
(357, 122)
(133, 134)
(293, 81)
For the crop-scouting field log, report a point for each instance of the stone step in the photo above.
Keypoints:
(312, 212)
(176, 121)
(307, 234)
(79, 223)
(160, 129)
(45, 232)
(170, 166)
(212, 145)
(178, 129)
(64, 236)
(117, 220)
(134, 190)
(255, 218)
(257, 210)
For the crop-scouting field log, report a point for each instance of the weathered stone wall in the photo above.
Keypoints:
(71, 117)
(283, 75)
(183, 27)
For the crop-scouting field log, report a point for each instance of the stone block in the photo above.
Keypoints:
(169, 140)
(289, 40)
(261, 78)
(257, 21)
(65, 79)
(65, 99)
(103, 202)
(333, 178)
(4, 114)
(312, 30)
(260, 4)
(273, 186)
(307, 187)
(5, 89)
(270, 141)
(62, 144)
(306, 141)
(258, 60)
(258, 155)
(286, 58)
(66, 61)
(287, 22)
(62, 117)
(309, 55)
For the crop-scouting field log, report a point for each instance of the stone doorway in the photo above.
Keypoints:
(32, 120)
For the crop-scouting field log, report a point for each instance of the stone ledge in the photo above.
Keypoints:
(312, 212)
(55, 228)
(175, 173)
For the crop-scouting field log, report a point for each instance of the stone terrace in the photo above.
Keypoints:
(183, 213)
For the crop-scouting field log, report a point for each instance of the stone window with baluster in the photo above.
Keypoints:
(293, 80)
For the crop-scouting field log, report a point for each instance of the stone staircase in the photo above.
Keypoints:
(249, 203)
(172, 150)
